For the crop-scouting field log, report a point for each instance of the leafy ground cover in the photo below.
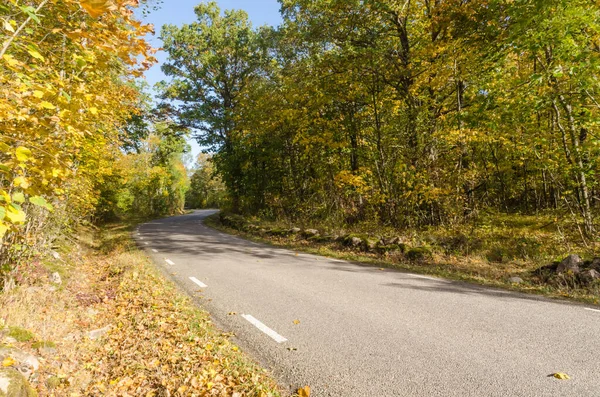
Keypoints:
(113, 326)
(511, 252)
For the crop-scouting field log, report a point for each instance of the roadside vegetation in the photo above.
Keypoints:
(109, 324)
(512, 253)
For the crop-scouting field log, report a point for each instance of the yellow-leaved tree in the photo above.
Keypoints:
(66, 68)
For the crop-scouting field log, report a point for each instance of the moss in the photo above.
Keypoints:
(419, 253)
(53, 382)
(20, 334)
(278, 232)
(43, 344)
(321, 239)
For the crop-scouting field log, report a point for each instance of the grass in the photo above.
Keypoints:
(488, 252)
(159, 342)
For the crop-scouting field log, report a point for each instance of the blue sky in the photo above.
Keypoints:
(178, 12)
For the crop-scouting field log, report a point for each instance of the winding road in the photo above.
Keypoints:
(353, 330)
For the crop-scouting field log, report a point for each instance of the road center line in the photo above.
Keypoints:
(170, 262)
(145, 242)
(155, 251)
(198, 282)
(592, 310)
(272, 334)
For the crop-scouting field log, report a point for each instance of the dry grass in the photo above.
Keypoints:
(159, 343)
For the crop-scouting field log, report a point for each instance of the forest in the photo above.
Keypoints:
(400, 113)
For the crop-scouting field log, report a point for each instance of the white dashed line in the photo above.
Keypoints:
(141, 238)
(170, 262)
(592, 310)
(198, 282)
(426, 278)
(155, 251)
(145, 242)
(272, 334)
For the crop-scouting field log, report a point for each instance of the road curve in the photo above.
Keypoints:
(352, 330)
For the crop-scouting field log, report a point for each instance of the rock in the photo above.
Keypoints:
(13, 384)
(515, 280)
(355, 241)
(570, 263)
(55, 278)
(98, 333)
(56, 255)
(25, 363)
(595, 264)
(310, 232)
(295, 230)
(390, 241)
(589, 276)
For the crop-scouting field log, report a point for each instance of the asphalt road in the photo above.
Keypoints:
(367, 332)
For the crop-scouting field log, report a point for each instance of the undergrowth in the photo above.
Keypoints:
(489, 251)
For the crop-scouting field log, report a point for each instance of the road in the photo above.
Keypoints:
(352, 330)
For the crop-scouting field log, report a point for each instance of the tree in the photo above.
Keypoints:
(211, 62)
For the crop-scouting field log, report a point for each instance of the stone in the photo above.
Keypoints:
(589, 276)
(13, 384)
(355, 241)
(56, 255)
(515, 280)
(310, 233)
(595, 264)
(26, 363)
(20, 357)
(55, 278)
(295, 230)
(570, 263)
(99, 333)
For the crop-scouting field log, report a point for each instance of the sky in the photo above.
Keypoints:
(178, 12)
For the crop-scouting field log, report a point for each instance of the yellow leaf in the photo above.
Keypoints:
(38, 94)
(8, 26)
(23, 154)
(3, 229)
(35, 53)
(21, 181)
(10, 60)
(93, 110)
(304, 392)
(96, 7)
(296, 322)
(209, 385)
(8, 362)
(561, 376)
(15, 216)
(47, 105)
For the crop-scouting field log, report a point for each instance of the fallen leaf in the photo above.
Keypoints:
(8, 362)
(561, 376)
(232, 313)
(304, 392)
(296, 322)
